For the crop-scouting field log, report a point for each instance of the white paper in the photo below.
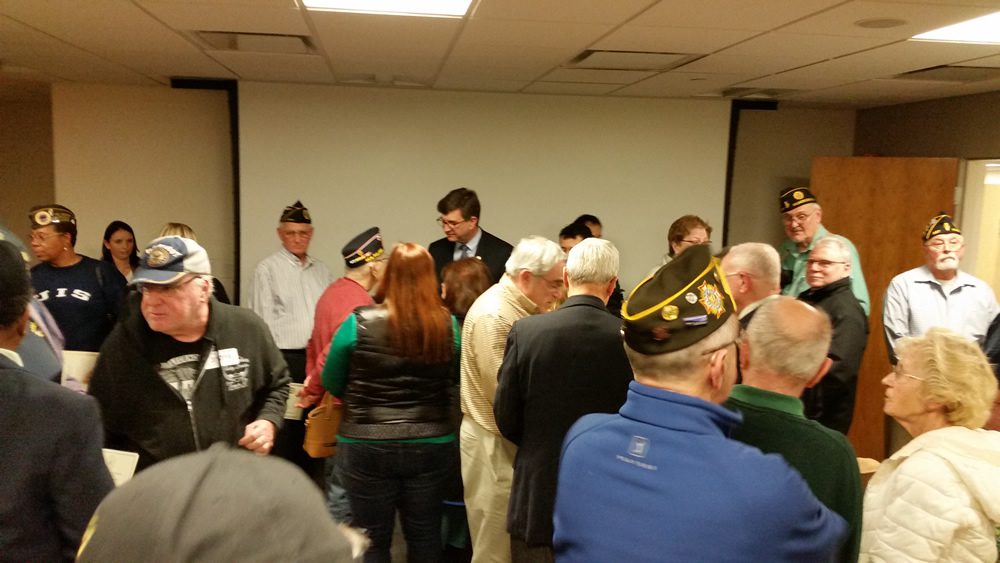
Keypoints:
(120, 464)
(77, 369)
(293, 412)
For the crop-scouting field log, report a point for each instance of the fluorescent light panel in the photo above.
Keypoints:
(429, 8)
(984, 30)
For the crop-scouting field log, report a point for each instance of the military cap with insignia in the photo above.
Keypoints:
(168, 259)
(364, 248)
(296, 213)
(683, 302)
(941, 224)
(796, 197)
(42, 215)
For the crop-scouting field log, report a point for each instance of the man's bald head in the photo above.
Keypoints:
(788, 338)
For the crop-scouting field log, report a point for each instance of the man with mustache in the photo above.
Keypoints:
(938, 293)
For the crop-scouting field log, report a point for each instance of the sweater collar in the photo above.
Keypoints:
(768, 399)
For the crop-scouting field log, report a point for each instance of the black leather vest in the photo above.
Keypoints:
(389, 397)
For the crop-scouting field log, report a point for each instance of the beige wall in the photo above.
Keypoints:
(362, 156)
(26, 170)
(774, 151)
(146, 156)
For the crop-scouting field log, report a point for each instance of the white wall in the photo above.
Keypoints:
(774, 151)
(146, 156)
(359, 157)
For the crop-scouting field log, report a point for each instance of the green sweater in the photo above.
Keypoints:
(775, 423)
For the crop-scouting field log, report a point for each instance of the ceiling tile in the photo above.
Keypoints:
(759, 15)
(681, 84)
(549, 35)
(571, 88)
(462, 82)
(597, 76)
(276, 67)
(872, 92)
(919, 18)
(633, 37)
(993, 61)
(577, 11)
(283, 19)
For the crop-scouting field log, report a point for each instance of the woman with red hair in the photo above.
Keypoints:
(392, 364)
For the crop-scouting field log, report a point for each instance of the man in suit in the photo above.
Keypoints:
(557, 368)
(462, 236)
(753, 271)
(50, 446)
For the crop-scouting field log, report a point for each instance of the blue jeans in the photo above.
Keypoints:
(336, 496)
(383, 477)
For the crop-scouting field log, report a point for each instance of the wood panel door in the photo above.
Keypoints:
(882, 204)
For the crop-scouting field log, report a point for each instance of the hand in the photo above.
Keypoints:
(259, 437)
(306, 400)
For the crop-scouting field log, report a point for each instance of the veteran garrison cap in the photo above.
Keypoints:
(364, 248)
(296, 213)
(42, 215)
(796, 197)
(941, 224)
(168, 259)
(683, 302)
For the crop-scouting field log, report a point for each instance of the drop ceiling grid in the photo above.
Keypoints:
(209, 16)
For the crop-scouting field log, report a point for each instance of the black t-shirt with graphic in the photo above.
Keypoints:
(178, 363)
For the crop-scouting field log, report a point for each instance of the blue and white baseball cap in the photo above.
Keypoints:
(168, 259)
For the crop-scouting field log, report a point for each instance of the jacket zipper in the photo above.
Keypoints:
(190, 406)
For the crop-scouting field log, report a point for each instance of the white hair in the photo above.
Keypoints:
(759, 260)
(593, 260)
(535, 254)
(837, 244)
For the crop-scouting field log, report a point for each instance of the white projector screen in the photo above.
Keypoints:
(358, 157)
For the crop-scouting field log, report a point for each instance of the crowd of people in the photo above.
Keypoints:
(501, 402)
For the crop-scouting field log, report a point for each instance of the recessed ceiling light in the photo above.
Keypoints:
(984, 30)
(427, 8)
(880, 23)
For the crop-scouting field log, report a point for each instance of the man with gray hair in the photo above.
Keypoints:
(532, 283)
(828, 273)
(659, 480)
(557, 368)
(753, 271)
(782, 354)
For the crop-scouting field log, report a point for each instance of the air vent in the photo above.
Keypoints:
(630, 60)
(952, 74)
(256, 42)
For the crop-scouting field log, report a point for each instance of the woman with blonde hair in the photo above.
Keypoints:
(938, 497)
(392, 365)
(182, 230)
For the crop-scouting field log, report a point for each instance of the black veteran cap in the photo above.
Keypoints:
(682, 303)
(48, 214)
(796, 197)
(941, 224)
(364, 248)
(296, 213)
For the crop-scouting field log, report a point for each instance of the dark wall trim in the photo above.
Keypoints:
(734, 126)
(231, 87)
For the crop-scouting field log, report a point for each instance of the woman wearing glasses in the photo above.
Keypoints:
(393, 364)
(686, 232)
(938, 497)
(84, 295)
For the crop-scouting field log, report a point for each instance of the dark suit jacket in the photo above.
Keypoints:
(557, 367)
(491, 250)
(52, 473)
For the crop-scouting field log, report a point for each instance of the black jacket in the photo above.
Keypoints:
(144, 414)
(389, 397)
(556, 368)
(831, 402)
(491, 250)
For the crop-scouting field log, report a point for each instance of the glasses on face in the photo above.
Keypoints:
(822, 264)
(941, 244)
(551, 284)
(42, 237)
(799, 218)
(298, 234)
(166, 290)
(695, 241)
(897, 373)
(446, 224)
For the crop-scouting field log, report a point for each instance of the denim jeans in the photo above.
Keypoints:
(381, 478)
(336, 496)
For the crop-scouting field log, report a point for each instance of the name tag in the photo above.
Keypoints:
(229, 357)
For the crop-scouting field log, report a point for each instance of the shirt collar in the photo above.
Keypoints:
(793, 248)
(756, 304)
(924, 275)
(12, 356)
(508, 285)
(768, 399)
(473, 243)
(295, 259)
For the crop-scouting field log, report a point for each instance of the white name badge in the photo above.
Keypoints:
(229, 357)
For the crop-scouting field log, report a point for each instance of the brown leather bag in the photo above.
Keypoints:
(321, 428)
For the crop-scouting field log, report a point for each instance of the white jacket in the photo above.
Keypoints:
(936, 499)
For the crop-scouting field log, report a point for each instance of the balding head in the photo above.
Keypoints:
(753, 271)
(787, 341)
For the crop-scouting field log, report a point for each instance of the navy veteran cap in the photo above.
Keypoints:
(364, 248)
(941, 224)
(296, 213)
(796, 197)
(48, 214)
(683, 302)
(168, 259)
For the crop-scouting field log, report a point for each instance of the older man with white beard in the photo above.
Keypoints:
(938, 293)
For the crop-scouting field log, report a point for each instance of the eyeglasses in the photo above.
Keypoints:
(42, 237)
(165, 290)
(822, 264)
(297, 234)
(897, 373)
(796, 218)
(552, 284)
(450, 224)
(941, 244)
(689, 241)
